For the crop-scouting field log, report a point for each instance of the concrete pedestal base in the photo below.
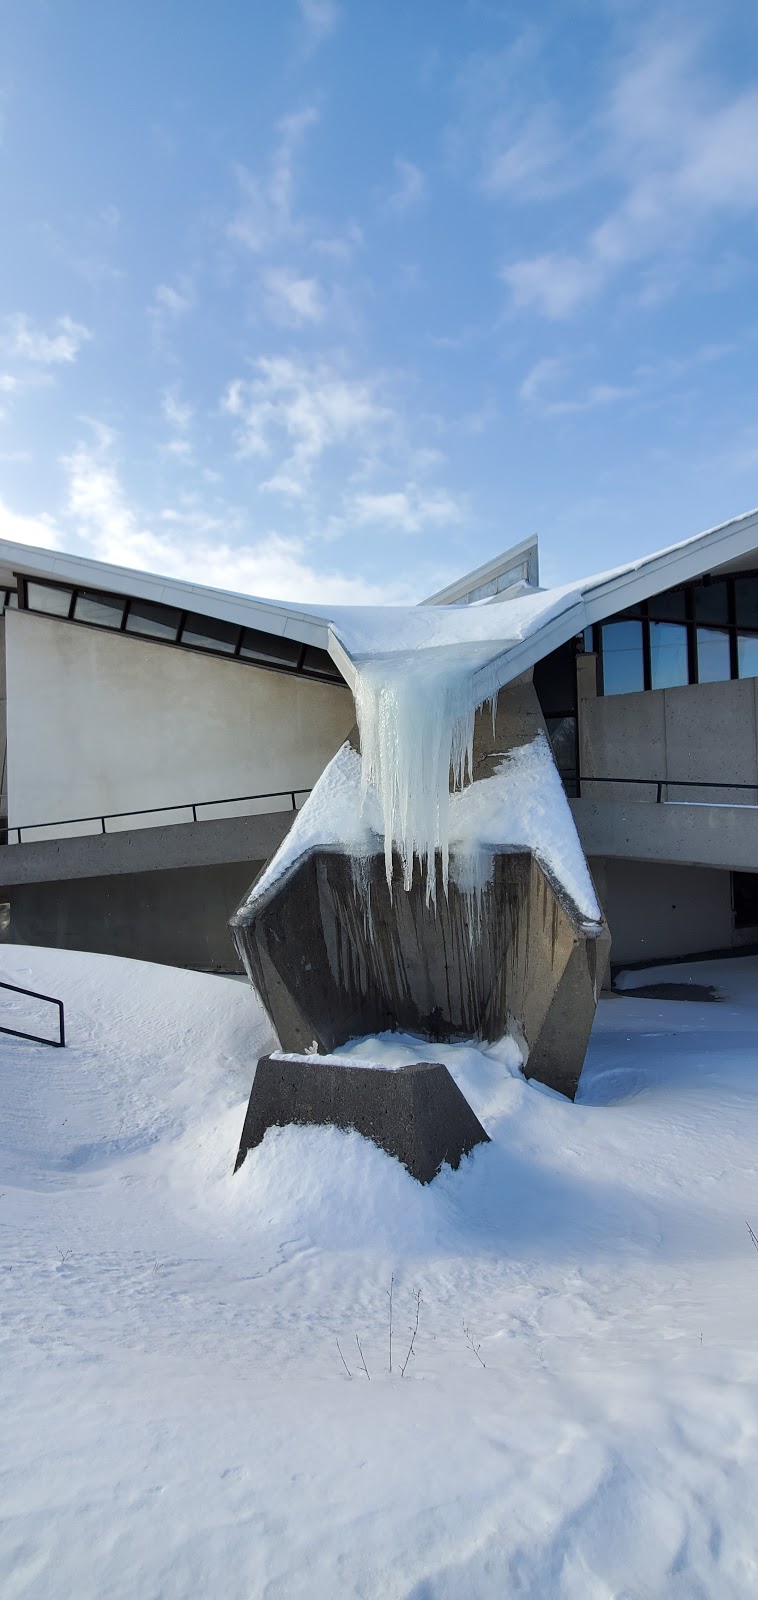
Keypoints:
(416, 1113)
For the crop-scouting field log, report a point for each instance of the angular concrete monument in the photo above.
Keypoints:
(416, 1113)
(514, 941)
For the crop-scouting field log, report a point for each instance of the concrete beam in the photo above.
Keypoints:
(683, 834)
(186, 844)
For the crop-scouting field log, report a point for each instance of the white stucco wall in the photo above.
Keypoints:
(99, 722)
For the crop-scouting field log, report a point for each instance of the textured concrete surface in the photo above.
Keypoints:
(416, 1113)
(682, 834)
(155, 849)
(178, 917)
(333, 958)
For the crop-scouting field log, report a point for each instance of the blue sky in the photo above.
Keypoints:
(335, 299)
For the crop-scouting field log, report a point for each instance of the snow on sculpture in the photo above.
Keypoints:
(434, 880)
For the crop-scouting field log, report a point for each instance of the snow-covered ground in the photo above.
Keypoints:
(176, 1418)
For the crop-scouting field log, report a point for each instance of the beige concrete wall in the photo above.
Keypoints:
(101, 722)
(705, 732)
(658, 911)
(3, 727)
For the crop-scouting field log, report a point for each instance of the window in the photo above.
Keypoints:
(154, 622)
(746, 602)
(668, 607)
(714, 655)
(321, 662)
(702, 632)
(668, 655)
(208, 633)
(747, 655)
(48, 597)
(101, 610)
(562, 736)
(269, 649)
(623, 666)
(712, 603)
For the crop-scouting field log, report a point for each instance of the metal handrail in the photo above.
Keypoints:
(146, 811)
(20, 1033)
(664, 783)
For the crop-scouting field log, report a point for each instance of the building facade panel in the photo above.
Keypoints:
(101, 722)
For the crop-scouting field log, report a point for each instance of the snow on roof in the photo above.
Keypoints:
(520, 629)
(524, 629)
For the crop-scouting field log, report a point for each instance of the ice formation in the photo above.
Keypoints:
(416, 714)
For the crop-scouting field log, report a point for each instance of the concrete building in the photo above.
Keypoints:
(157, 737)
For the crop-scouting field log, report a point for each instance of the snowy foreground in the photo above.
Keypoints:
(176, 1419)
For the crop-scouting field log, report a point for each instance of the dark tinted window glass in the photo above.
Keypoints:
(208, 633)
(318, 661)
(746, 601)
(562, 735)
(623, 671)
(104, 610)
(713, 655)
(155, 622)
(668, 607)
(668, 655)
(555, 681)
(269, 649)
(745, 899)
(711, 603)
(747, 655)
(43, 597)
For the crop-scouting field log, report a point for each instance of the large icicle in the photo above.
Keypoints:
(416, 715)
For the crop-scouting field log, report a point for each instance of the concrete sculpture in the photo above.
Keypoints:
(416, 1113)
(501, 934)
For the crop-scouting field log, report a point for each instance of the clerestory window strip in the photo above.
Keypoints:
(163, 624)
(700, 632)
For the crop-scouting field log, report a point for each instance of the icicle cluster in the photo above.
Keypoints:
(416, 715)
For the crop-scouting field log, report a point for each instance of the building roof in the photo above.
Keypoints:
(501, 635)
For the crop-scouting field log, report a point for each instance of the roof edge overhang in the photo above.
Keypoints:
(268, 616)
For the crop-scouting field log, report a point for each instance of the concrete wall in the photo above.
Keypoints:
(705, 733)
(101, 722)
(178, 917)
(684, 834)
(659, 911)
(3, 727)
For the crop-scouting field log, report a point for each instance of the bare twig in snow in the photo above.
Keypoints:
(475, 1347)
(64, 1254)
(389, 1292)
(752, 1235)
(342, 1358)
(363, 1361)
(417, 1293)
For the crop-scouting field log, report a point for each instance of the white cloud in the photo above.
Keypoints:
(597, 398)
(292, 300)
(179, 417)
(173, 300)
(524, 158)
(540, 377)
(553, 284)
(408, 188)
(266, 214)
(28, 343)
(320, 17)
(194, 543)
(295, 413)
(680, 147)
(410, 509)
(41, 531)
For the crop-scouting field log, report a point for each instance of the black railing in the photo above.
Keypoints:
(659, 784)
(37, 1038)
(148, 811)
